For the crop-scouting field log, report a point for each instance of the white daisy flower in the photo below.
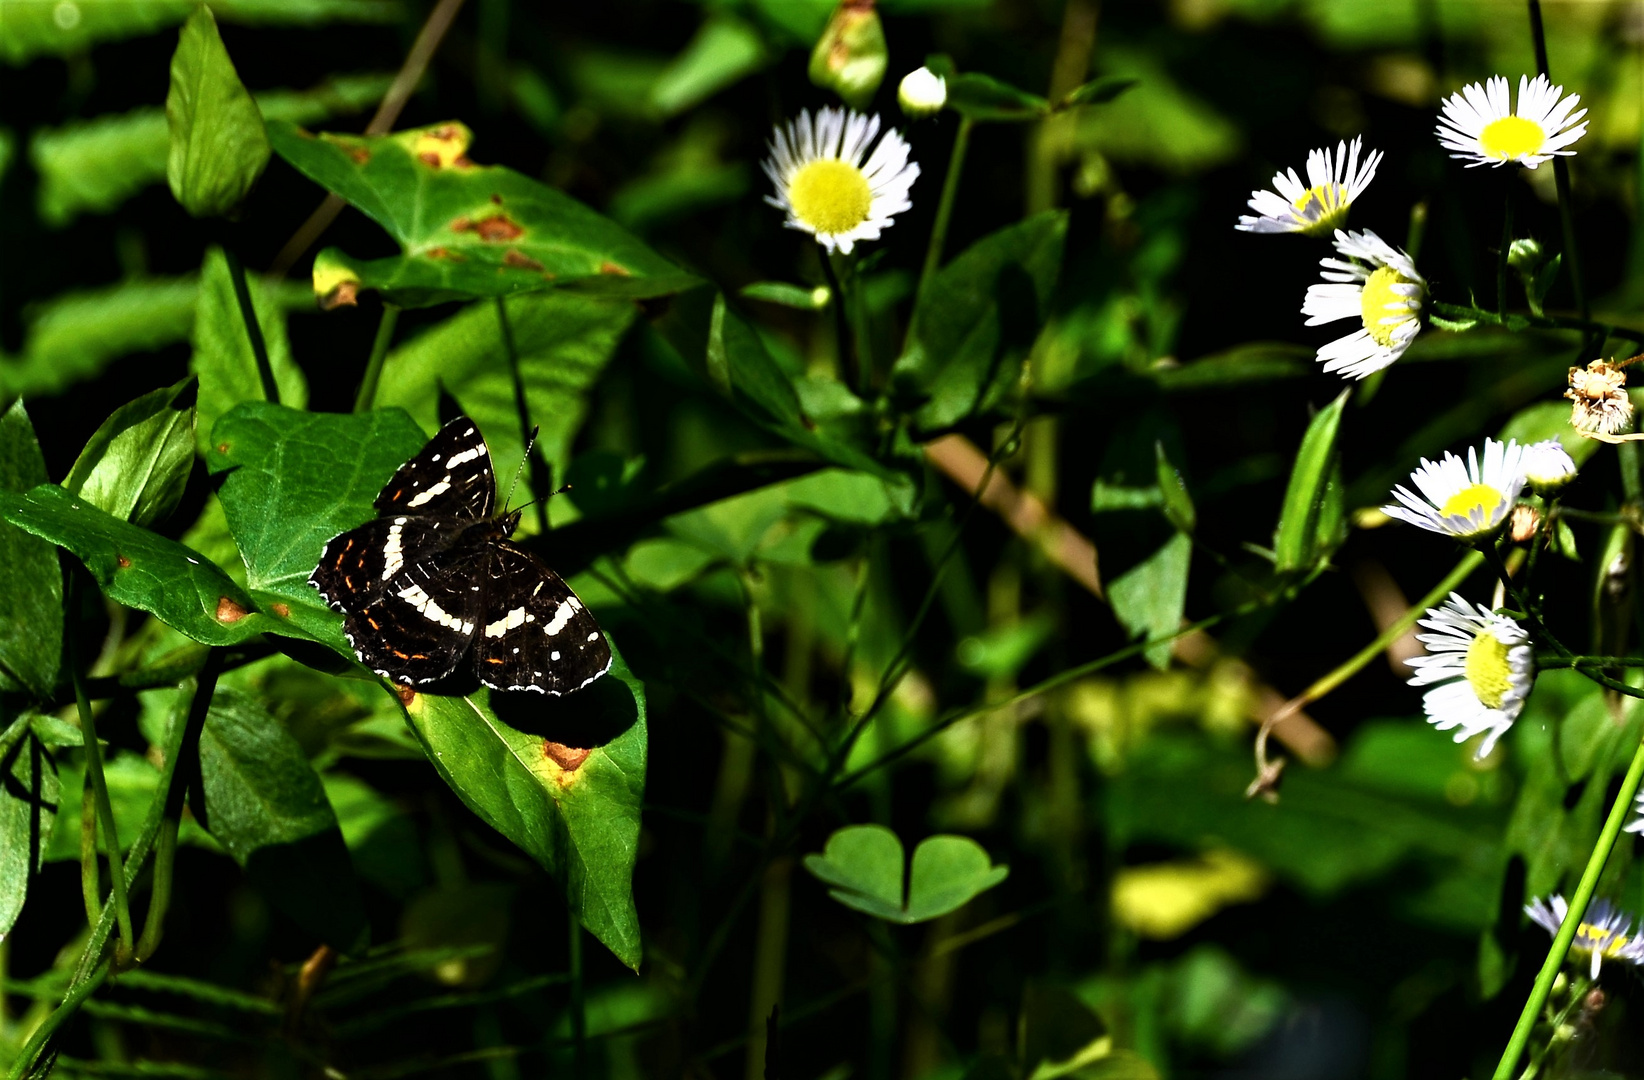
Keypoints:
(1479, 127)
(1547, 466)
(1605, 933)
(826, 186)
(1376, 284)
(1637, 823)
(1315, 208)
(1460, 499)
(1480, 667)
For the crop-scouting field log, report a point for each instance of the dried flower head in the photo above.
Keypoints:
(1521, 523)
(1599, 393)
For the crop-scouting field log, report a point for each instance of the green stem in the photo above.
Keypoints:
(861, 334)
(1561, 174)
(253, 330)
(379, 353)
(527, 433)
(35, 1047)
(1518, 320)
(1578, 908)
(91, 885)
(849, 363)
(104, 809)
(159, 899)
(944, 209)
(1552, 661)
(579, 1012)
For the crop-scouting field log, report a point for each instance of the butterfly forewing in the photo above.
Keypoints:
(450, 477)
(539, 635)
(356, 565)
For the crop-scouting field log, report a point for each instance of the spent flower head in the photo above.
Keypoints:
(1480, 667)
(829, 183)
(1316, 208)
(1479, 126)
(1463, 499)
(1598, 393)
(1604, 933)
(1377, 284)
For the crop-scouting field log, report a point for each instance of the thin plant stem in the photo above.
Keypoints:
(91, 885)
(103, 808)
(527, 433)
(1561, 174)
(253, 329)
(861, 332)
(35, 1048)
(1519, 320)
(159, 897)
(944, 209)
(1578, 908)
(579, 1010)
(1553, 661)
(379, 352)
(849, 364)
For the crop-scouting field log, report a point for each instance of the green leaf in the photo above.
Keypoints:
(142, 569)
(31, 582)
(724, 51)
(43, 28)
(1178, 504)
(562, 778)
(222, 348)
(1059, 1032)
(979, 319)
(28, 810)
(92, 166)
(1097, 91)
(466, 231)
(1149, 597)
(265, 804)
(563, 342)
(1295, 542)
(982, 97)
(218, 147)
(72, 337)
(294, 480)
(1159, 122)
(136, 465)
(864, 866)
(794, 296)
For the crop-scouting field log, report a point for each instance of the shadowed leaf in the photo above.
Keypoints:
(28, 810)
(31, 582)
(222, 349)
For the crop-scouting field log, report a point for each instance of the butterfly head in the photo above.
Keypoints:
(510, 521)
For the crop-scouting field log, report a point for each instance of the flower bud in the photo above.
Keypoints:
(850, 56)
(922, 93)
(1548, 467)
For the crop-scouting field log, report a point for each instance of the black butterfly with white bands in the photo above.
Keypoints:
(435, 578)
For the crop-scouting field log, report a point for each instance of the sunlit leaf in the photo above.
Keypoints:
(724, 51)
(1178, 505)
(264, 803)
(1149, 597)
(1295, 541)
(466, 231)
(1059, 1033)
(136, 464)
(142, 569)
(28, 810)
(218, 147)
(863, 865)
(31, 582)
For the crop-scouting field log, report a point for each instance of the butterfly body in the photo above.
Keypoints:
(436, 580)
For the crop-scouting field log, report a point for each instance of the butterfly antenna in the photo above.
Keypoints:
(529, 443)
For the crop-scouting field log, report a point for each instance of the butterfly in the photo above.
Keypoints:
(435, 580)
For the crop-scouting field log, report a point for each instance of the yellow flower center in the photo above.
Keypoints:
(831, 196)
(1327, 202)
(1376, 300)
(1480, 497)
(1511, 138)
(1488, 672)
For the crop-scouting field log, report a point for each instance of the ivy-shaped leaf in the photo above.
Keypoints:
(31, 582)
(466, 231)
(142, 569)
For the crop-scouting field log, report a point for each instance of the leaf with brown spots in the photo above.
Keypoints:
(464, 230)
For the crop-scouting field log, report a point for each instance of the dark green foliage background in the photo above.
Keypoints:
(721, 476)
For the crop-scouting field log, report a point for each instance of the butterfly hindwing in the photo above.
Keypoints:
(450, 477)
(540, 636)
(424, 619)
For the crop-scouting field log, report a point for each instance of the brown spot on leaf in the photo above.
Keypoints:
(496, 199)
(569, 758)
(360, 155)
(228, 611)
(405, 693)
(123, 562)
(609, 267)
(520, 261)
(496, 229)
(346, 294)
(222, 448)
(282, 610)
(430, 159)
(448, 255)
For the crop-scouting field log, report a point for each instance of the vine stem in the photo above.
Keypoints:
(944, 209)
(1543, 322)
(850, 366)
(1561, 174)
(103, 808)
(379, 353)
(35, 1047)
(1578, 908)
(253, 329)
